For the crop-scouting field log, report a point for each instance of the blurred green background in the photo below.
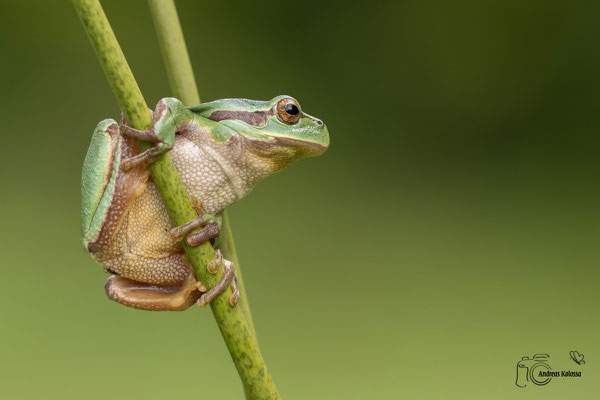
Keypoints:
(451, 228)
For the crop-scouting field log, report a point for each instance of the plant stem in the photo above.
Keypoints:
(244, 350)
(183, 85)
(174, 51)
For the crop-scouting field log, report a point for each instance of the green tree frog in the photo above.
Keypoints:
(221, 149)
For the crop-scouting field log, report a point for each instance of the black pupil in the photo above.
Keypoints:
(291, 109)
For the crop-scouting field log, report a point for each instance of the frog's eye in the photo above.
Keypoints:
(288, 111)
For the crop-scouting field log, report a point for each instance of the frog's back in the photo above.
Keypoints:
(97, 178)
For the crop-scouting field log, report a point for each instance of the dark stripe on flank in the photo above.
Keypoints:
(254, 118)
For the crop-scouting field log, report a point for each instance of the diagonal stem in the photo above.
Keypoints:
(236, 332)
(183, 85)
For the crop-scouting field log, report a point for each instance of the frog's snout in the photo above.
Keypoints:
(326, 134)
(318, 143)
(322, 142)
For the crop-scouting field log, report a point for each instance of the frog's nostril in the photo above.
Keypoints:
(319, 122)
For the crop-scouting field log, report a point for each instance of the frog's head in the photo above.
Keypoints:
(277, 129)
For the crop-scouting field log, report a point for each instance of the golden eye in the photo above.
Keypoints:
(288, 111)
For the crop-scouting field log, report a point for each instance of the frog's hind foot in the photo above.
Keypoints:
(210, 230)
(229, 279)
(145, 296)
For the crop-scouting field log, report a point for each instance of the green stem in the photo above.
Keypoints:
(244, 350)
(183, 85)
(174, 51)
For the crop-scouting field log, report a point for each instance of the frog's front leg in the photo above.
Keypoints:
(169, 115)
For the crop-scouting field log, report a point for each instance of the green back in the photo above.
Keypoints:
(97, 181)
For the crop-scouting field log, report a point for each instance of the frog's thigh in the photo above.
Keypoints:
(163, 271)
(151, 297)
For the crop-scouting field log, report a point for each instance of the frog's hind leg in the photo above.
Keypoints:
(150, 297)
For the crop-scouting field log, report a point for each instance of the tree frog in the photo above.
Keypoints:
(221, 149)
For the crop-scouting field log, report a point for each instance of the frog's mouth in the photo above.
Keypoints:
(311, 148)
(286, 148)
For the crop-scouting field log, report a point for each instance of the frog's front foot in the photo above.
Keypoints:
(161, 134)
(147, 157)
(229, 278)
